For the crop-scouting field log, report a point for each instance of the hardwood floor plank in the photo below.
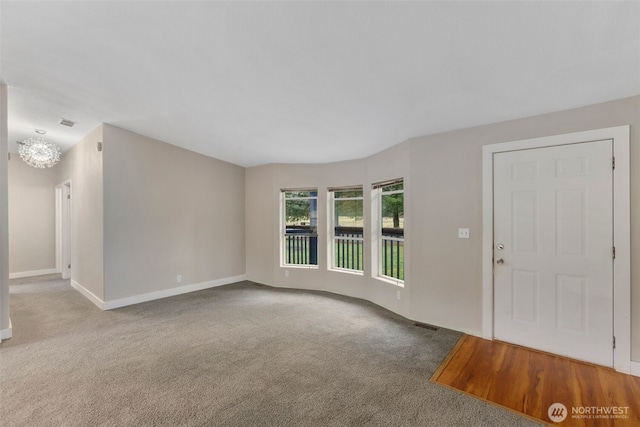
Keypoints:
(557, 372)
(447, 359)
(529, 381)
(534, 401)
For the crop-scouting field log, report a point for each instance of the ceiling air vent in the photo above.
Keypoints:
(65, 122)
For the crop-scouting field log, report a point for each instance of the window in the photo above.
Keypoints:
(390, 229)
(346, 222)
(300, 220)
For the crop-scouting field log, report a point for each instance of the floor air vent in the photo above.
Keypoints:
(425, 326)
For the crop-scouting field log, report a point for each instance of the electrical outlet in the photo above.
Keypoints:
(398, 295)
(179, 278)
(463, 233)
(286, 273)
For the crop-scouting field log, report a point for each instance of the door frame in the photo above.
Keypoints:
(621, 232)
(63, 229)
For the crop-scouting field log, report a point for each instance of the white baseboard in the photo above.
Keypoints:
(88, 294)
(635, 368)
(7, 333)
(21, 274)
(137, 299)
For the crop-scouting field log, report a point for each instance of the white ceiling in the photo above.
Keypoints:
(262, 82)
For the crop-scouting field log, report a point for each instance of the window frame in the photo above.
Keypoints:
(331, 243)
(283, 226)
(378, 238)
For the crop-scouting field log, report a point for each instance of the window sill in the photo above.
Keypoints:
(391, 281)
(300, 266)
(344, 270)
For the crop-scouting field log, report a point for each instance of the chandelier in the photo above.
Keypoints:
(39, 153)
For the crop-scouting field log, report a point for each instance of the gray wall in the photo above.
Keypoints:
(4, 213)
(168, 212)
(443, 176)
(449, 168)
(142, 212)
(31, 217)
(83, 166)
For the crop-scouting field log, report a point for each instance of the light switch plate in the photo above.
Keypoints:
(463, 233)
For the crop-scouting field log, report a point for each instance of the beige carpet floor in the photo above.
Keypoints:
(237, 355)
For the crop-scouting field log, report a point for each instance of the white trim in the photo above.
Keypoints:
(300, 266)
(331, 231)
(377, 237)
(622, 242)
(88, 294)
(346, 270)
(283, 227)
(622, 230)
(7, 333)
(390, 280)
(137, 299)
(66, 207)
(22, 274)
(376, 232)
(58, 231)
(635, 368)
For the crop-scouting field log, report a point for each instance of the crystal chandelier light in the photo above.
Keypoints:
(39, 153)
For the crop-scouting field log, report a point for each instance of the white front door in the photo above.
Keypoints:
(553, 249)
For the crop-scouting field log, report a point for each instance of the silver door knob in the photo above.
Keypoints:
(499, 261)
